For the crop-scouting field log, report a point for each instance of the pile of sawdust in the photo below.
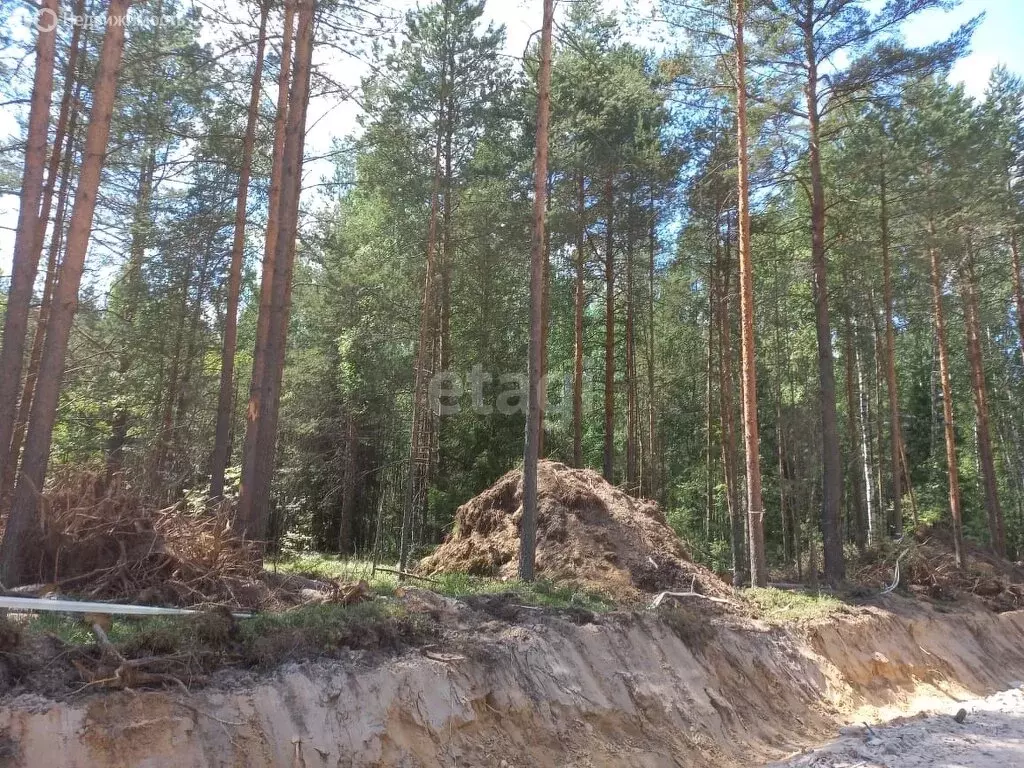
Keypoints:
(589, 533)
(927, 568)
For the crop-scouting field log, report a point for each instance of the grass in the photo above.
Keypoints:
(539, 593)
(263, 640)
(786, 606)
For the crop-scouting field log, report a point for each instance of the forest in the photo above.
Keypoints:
(757, 260)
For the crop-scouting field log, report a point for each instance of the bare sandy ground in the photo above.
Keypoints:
(991, 736)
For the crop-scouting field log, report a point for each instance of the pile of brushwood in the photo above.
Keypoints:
(924, 565)
(103, 541)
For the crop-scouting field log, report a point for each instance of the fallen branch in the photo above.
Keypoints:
(407, 575)
(679, 595)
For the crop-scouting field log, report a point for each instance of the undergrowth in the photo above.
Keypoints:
(541, 593)
(788, 606)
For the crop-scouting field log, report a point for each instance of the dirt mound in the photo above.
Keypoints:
(588, 533)
(927, 568)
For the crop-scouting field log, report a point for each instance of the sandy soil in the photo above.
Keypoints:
(991, 736)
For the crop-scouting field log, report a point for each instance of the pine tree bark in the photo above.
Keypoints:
(853, 406)
(652, 431)
(30, 230)
(545, 327)
(990, 482)
(132, 292)
(253, 515)
(23, 522)
(748, 349)
(270, 242)
(417, 478)
(225, 398)
(578, 310)
(632, 411)
(1018, 293)
(60, 167)
(726, 383)
(609, 332)
(534, 416)
(832, 460)
(709, 413)
(892, 383)
(947, 399)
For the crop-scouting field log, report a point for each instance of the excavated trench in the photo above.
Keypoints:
(624, 690)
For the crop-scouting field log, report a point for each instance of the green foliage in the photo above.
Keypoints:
(781, 606)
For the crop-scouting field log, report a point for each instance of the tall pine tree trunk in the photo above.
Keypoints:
(23, 522)
(270, 243)
(1018, 293)
(832, 460)
(632, 421)
(652, 431)
(892, 383)
(996, 525)
(709, 413)
(861, 474)
(132, 293)
(225, 398)
(748, 353)
(726, 383)
(609, 332)
(579, 301)
(253, 514)
(30, 228)
(534, 417)
(947, 399)
(61, 158)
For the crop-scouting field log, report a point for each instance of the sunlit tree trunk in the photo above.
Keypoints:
(579, 302)
(61, 157)
(30, 230)
(990, 482)
(727, 418)
(1018, 293)
(225, 397)
(534, 417)
(861, 471)
(892, 383)
(609, 333)
(132, 298)
(244, 512)
(947, 399)
(23, 522)
(652, 431)
(632, 420)
(257, 467)
(832, 460)
(748, 354)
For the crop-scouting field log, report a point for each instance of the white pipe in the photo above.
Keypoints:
(37, 604)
